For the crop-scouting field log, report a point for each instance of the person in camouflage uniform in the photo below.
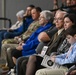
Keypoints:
(33, 26)
(14, 42)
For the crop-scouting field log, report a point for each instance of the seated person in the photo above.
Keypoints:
(32, 59)
(28, 48)
(69, 20)
(26, 14)
(59, 60)
(26, 22)
(15, 32)
(17, 25)
(46, 36)
(35, 12)
(33, 26)
(19, 22)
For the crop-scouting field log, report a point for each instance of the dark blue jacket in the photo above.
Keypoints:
(20, 30)
(32, 42)
(26, 23)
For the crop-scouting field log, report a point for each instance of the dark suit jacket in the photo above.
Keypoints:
(53, 45)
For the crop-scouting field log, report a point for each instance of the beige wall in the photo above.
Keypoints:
(13, 6)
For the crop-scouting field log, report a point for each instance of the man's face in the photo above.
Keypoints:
(59, 21)
(35, 14)
(28, 11)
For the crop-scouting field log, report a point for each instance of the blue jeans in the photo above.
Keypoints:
(11, 34)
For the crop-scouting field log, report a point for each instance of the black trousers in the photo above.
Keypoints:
(22, 61)
(21, 65)
(16, 53)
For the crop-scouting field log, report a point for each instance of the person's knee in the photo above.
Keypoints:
(24, 63)
(3, 49)
(40, 47)
(4, 45)
(9, 50)
(6, 35)
(19, 61)
(32, 58)
(40, 72)
(9, 56)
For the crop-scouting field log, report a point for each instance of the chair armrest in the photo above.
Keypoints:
(69, 64)
(6, 19)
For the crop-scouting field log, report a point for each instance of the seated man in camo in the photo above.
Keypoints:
(12, 43)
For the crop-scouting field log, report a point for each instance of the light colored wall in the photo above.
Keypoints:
(13, 6)
(0, 12)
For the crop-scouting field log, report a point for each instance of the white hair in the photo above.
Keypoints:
(20, 13)
(61, 12)
(47, 14)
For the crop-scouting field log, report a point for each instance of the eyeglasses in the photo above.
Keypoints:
(58, 18)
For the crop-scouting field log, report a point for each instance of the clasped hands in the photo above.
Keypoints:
(20, 46)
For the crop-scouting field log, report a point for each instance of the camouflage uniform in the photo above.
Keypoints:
(8, 43)
(33, 26)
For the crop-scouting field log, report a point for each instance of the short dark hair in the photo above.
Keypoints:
(38, 9)
(71, 30)
(32, 6)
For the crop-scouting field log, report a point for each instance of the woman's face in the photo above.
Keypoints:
(42, 20)
(67, 23)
